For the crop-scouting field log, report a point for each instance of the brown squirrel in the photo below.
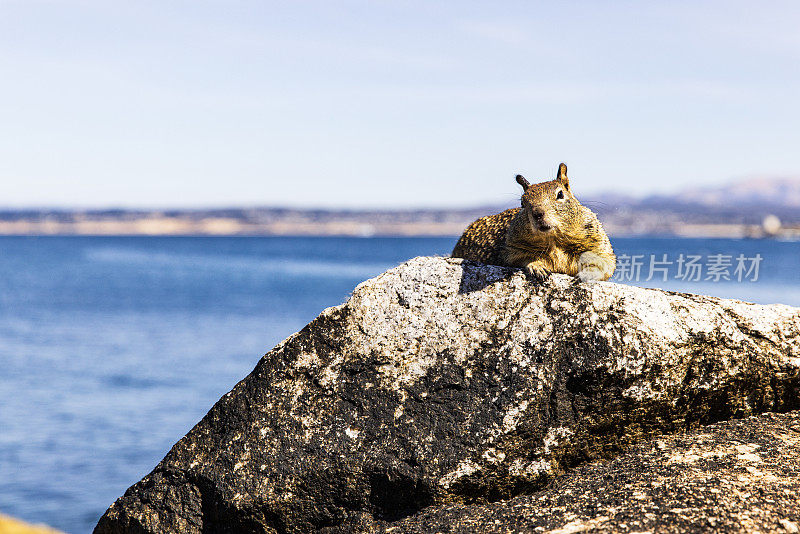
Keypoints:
(551, 232)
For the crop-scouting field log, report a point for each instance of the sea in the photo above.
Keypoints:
(112, 348)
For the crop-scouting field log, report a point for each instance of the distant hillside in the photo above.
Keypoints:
(745, 202)
(781, 192)
(735, 210)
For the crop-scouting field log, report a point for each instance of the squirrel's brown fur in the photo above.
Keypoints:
(551, 232)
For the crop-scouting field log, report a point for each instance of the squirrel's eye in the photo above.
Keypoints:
(560, 195)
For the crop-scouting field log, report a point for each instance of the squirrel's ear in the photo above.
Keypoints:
(562, 175)
(523, 182)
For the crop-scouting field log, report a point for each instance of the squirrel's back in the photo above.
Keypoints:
(485, 239)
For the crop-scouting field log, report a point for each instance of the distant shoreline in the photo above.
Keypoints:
(620, 219)
(152, 229)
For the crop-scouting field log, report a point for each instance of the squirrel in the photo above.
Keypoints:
(550, 232)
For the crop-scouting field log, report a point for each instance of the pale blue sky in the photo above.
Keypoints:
(385, 104)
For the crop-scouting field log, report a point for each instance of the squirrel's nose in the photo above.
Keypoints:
(538, 215)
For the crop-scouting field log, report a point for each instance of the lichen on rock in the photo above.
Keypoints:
(444, 382)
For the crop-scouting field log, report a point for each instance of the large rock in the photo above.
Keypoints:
(448, 383)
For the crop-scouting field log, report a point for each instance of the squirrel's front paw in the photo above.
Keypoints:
(536, 272)
(590, 273)
(592, 266)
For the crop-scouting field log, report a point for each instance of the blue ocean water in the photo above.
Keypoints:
(112, 348)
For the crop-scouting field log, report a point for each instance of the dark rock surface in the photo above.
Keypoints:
(736, 476)
(444, 388)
